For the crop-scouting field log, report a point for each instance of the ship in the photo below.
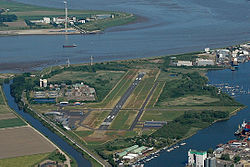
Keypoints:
(69, 46)
(244, 127)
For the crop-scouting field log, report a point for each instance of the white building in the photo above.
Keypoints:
(207, 50)
(46, 20)
(82, 21)
(204, 62)
(184, 63)
(58, 20)
(36, 21)
(197, 158)
(43, 83)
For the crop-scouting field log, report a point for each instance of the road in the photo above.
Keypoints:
(143, 107)
(120, 103)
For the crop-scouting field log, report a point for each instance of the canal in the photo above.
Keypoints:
(81, 161)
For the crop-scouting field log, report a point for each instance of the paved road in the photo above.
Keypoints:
(120, 103)
(143, 107)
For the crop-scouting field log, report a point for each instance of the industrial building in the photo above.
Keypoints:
(204, 62)
(184, 63)
(154, 124)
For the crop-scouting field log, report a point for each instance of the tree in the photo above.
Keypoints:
(210, 151)
(225, 157)
(236, 159)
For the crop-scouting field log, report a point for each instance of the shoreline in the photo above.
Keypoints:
(180, 140)
(46, 32)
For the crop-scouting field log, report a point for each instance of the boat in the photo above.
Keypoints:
(182, 144)
(69, 46)
(240, 128)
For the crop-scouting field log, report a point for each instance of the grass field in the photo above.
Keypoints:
(7, 123)
(172, 112)
(84, 133)
(89, 77)
(124, 119)
(113, 97)
(2, 99)
(4, 109)
(155, 95)
(23, 161)
(43, 108)
(190, 100)
(161, 115)
(95, 118)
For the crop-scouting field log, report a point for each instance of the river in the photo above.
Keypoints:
(167, 27)
(218, 133)
(45, 131)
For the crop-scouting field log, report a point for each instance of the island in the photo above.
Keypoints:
(121, 112)
(22, 19)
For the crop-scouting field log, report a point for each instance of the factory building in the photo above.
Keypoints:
(184, 63)
(204, 62)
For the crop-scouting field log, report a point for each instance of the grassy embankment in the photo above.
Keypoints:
(24, 161)
(26, 12)
(33, 160)
(12, 121)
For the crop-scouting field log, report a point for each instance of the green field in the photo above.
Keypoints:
(4, 109)
(43, 108)
(161, 115)
(2, 98)
(172, 112)
(113, 97)
(100, 118)
(89, 77)
(155, 95)
(124, 119)
(7, 123)
(190, 100)
(24, 161)
(84, 133)
(110, 22)
(3, 105)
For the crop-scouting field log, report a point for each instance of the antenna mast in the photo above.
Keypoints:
(91, 60)
(68, 62)
(66, 16)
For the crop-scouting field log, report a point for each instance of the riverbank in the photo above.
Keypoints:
(71, 31)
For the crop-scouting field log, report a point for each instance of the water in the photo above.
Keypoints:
(45, 131)
(166, 27)
(218, 133)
